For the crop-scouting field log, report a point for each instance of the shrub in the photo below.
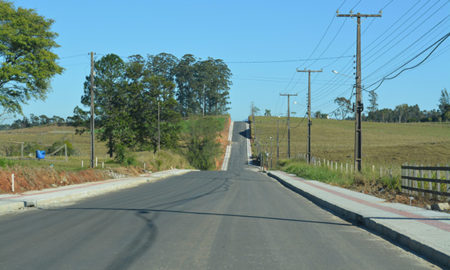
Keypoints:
(6, 162)
(203, 147)
(124, 156)
(70, 150)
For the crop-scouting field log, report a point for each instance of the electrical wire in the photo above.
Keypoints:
(435, 45)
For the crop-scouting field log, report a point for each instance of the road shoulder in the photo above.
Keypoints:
(69, 194)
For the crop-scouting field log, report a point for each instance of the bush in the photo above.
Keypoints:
(6, 162)
(58, 144)
(124, 156)
(203, 147)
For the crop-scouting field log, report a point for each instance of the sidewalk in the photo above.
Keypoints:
(66, 194)
(423, 231)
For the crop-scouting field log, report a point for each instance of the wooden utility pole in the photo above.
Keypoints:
(254, 123)
(288, 123)
(358, 108)
(92, 111)
(308, 145)
(159, 127)
(278, 139)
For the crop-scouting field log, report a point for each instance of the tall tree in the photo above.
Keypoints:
(444, 105)
(185, 79)
(111, 100)
(28, 62)
(344, 107)
(373, 105)
(203, 86)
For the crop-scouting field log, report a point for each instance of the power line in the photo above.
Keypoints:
(288, 60)
(400, 37)
(435, 44)
(430, 31)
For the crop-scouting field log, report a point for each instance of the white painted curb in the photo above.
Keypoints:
(226, 158)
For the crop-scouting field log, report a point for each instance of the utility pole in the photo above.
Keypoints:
(308, 145)
(359, 105)
(271, 152)
(288, 123)
(159, 128)
(92, 111)
(254, 123)
(204, 100)
(278, 139)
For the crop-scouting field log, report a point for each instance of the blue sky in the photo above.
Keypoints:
(246, 33)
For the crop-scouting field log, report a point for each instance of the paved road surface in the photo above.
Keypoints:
(236, 219)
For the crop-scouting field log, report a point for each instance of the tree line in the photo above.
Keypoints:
(401, 113)
(128, 93)
(35, 120)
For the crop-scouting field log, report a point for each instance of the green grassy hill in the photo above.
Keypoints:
(384, 144)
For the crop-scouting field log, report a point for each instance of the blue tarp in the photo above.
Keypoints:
(40, 154)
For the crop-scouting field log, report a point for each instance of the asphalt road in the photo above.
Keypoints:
(238, 219)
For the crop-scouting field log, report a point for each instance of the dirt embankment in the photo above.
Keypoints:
(26, 179)
(223, 140)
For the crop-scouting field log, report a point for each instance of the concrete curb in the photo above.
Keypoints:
(401, 239)
(85, 190)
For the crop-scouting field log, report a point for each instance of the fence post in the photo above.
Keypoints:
(407, 180)
(415, 182)
(12, 182)
(336, 165)
(422, 184)
(342, 167)
(430, 184)
(448, 184)
(103, 165)
(346, 167)
(96, 162)
(373, 168)
(438, 185)
(410, 173)
(82, 164)
(402, 174)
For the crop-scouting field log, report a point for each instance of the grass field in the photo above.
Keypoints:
(384, 144)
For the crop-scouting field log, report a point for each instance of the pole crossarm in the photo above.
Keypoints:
(308, 70)
(358, 15)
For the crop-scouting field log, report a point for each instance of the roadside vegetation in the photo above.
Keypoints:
(199, 147)
(386, 146)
